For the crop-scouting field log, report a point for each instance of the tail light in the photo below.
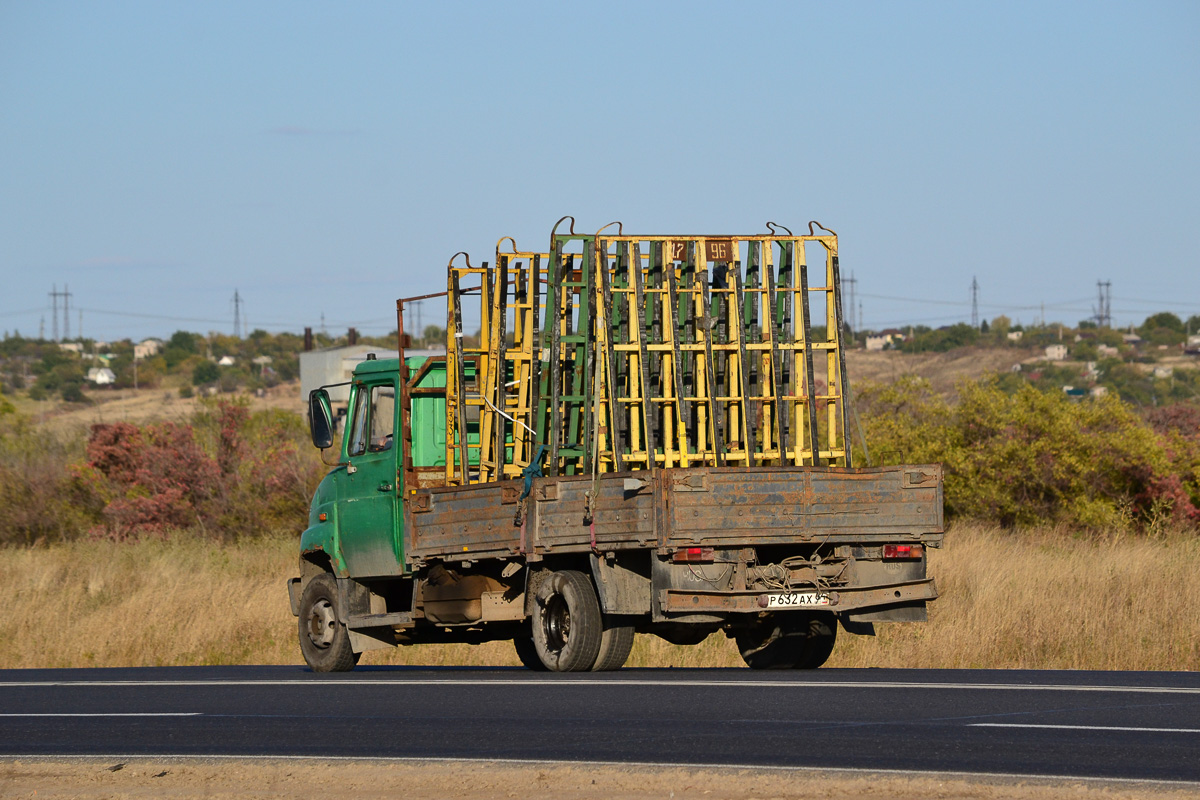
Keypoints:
(692, 554)
(902, 551)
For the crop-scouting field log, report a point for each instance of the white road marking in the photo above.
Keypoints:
(544, 683)
(1082, 727)
(129, 714)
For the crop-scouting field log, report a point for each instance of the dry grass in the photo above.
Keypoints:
(1041, 600)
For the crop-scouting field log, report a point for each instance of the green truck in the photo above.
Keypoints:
(645, 434)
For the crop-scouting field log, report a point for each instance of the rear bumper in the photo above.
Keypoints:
(842, 599)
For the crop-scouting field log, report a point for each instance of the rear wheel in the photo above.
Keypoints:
(567, 626)
(615, 643)
(788, 641)
(527, 653)
(324, 641)
(822, 634)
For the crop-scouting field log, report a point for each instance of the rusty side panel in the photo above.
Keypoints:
(465, 522)
(621, 517)
(746, 506)
(788, 504)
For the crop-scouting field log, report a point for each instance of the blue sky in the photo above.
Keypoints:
(324, 159)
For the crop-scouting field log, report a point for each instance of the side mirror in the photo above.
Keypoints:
(320, 418)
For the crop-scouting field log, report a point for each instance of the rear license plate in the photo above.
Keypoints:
(796, 599)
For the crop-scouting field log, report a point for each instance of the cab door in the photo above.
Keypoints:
(367, 518)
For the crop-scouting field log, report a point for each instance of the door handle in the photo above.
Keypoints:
(385, 487)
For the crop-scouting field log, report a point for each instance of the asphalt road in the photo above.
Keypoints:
(1080, 724)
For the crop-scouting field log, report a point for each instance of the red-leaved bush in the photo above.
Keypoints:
(230, 472)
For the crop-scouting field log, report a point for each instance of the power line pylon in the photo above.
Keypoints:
(237, 313)
(974, 303)
(54, 310)
(1104, 309)
(65, 294)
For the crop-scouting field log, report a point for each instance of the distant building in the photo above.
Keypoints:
(1164, 372)
(884, 339)
(1015, 336)
(147, 348)
(334, 365)
(101, 376)
(1131, 338)
(1099, 391)
(1107, 350)
(73, 347)
(226, 361)
(1056, 352)
(878, 342)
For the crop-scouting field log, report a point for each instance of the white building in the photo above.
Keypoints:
(101, 376)
(878, 342)
(1015, 336)
(1056, 352)
(1107, 350)
(226, 361)
(334, 365)
(146, 348)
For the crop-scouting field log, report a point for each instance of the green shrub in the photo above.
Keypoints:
(1028, 457)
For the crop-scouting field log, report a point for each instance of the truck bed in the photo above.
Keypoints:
(671, 508)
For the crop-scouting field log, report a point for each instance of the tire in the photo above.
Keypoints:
(527, 653)
(822, 634)
(616, 641)
(567, 627)
(788, 641)
(324, 641)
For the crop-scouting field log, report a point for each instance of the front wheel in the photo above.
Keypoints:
(567, 626)
(324, 641)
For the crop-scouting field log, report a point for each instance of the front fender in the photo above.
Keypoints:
(321, 535)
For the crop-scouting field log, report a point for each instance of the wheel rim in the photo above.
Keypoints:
(556, 623)
(321, 624)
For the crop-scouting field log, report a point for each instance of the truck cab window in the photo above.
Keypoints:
(383, 417)
(358, 424)
(374, 420)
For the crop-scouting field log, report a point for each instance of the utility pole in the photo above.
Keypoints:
(237, 314)
(974, 303)
(852, 282)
